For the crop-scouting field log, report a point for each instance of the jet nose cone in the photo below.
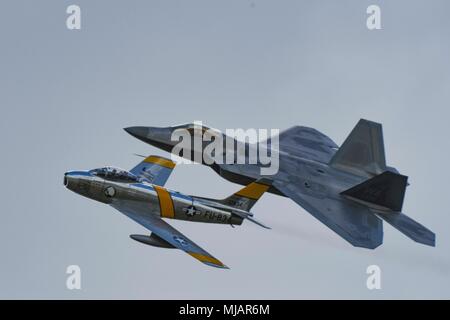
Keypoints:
(159, 137)
(138, 132)
(68, 179)
(72, 178)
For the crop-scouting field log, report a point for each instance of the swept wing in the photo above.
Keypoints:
(139, 213)
(307, 143)
(352, 221)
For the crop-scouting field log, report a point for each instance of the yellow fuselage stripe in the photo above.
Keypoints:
(165, 202)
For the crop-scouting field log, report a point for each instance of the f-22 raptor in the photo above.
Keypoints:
(349, 188)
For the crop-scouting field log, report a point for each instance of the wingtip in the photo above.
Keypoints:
(219, 266)
(428, 239)
(208, 260)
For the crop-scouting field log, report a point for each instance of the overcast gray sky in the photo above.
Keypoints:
(66, 95)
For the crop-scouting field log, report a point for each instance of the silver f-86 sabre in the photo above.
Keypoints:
(140, 195)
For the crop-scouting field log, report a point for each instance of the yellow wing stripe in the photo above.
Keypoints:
(165, 202)
(253, 191)
(160, 161)
(208, 259)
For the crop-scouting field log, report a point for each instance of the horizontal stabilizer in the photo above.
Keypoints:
(386, 190)
(258, 223)
(410, 228)
(249, 216)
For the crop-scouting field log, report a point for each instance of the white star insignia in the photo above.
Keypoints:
(190, 211)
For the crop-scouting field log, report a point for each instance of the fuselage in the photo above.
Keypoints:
(155, 199)
(317, 178)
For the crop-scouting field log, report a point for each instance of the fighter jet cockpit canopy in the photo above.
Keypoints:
(114, 174)
(192, 126)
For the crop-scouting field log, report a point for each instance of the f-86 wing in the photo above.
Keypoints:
(137, 212)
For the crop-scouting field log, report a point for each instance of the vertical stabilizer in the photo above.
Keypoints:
(245, 198)
(363, 150)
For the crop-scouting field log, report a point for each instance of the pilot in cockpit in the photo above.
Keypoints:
(115, 174)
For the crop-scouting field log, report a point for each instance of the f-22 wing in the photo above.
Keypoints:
(352, 221)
